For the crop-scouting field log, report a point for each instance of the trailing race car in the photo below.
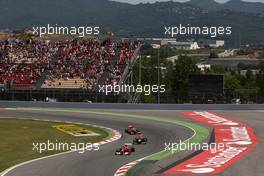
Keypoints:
(132, 130)
(126, 149)
(140, 140)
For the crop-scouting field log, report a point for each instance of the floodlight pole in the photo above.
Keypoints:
(158, 76)
(140, 73)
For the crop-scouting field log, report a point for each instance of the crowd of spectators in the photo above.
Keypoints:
(126, 54)
(82, 58)
(22, 63)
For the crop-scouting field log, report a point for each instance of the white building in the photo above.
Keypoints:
(212, 43)
(184, 45)
(218, 43)
(204, 67)
(227, 53)
(173, 59)
(155, 46)
(166, 41)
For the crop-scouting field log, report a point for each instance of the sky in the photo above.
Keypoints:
(144, 1)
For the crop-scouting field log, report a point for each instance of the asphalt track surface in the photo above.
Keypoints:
(102, 162)
(105, 163)
(252, 163)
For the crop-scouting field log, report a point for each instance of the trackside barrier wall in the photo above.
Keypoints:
(10, 104)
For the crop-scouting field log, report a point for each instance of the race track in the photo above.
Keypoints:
(105, 163)
(102, 162)
(252, 164)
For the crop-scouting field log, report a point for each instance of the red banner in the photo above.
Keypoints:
(233, 141)
(211, 119)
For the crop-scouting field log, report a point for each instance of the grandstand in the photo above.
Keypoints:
(73, 64)
(23, 63)
(71, 83)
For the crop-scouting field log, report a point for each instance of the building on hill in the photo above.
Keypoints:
(155, 46)
(230, 62)
(183, 45)
(211, 43)
(227, 53)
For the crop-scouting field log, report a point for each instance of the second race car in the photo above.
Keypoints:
(140, 140)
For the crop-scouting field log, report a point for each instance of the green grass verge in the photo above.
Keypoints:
(17, 138)
(201, 133)
(134, 170)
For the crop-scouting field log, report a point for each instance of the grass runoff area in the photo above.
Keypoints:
(17, 138)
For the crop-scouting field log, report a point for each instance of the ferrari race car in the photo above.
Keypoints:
(126, 149)
(132, 130)
(140, 140)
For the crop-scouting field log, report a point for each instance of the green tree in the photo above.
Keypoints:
(260, 82)
(184, 66)
(249, 74)
(231, 82)
(217, 69)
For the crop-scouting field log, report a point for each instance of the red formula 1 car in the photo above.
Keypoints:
(126, 149)
(132, 130)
